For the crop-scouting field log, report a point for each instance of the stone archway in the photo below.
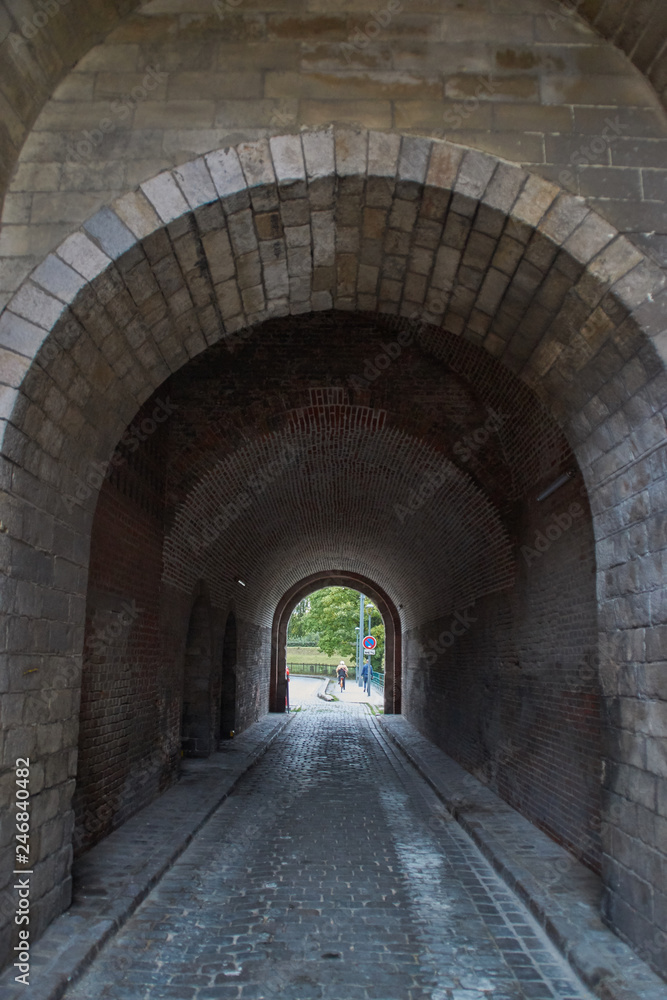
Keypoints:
(358, 221)
(384, 604)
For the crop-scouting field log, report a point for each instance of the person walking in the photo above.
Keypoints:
(341, 674)
(367, 674)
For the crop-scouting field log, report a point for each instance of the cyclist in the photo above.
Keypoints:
(341, 674)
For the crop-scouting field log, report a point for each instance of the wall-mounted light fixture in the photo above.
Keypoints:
(565, 478)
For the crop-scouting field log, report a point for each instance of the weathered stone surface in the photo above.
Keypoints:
(165, 197)
(114, 237)
(83, 256)
(196, 184)
(489, 280)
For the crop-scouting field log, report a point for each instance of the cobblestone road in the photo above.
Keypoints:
(331, 873)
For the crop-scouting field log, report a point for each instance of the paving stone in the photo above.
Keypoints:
(107, 891)
(33, 304)
(330, 871)
(555, 892)
(255, 159)
(351, 152)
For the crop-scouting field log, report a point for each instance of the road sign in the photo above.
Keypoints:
(369, 644)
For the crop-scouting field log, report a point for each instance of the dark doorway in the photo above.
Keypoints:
(196, 719)
(228, 685)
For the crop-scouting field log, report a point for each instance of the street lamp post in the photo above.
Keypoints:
(361, 638)
(356, 655)
(370, 611)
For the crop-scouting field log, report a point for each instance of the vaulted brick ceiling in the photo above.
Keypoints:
(285, 461)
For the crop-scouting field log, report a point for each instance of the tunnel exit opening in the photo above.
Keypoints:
(386, 610)
(334, 626)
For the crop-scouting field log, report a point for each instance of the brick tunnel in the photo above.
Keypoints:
(421, 484)
(350, 355)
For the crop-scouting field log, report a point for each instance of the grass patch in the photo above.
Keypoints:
(310, 654)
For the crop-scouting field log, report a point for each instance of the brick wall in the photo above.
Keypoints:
(126, 751)
(520, 705)
(508, 686)
(149, 650)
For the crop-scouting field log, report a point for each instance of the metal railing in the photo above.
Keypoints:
(377, 683)
(329, 670)
(317, 669)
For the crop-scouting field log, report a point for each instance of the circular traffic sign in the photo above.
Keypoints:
(369, 642)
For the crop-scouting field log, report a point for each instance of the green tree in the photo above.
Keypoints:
(334, 613)
(296, 628)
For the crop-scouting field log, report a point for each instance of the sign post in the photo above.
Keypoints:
(359, 635)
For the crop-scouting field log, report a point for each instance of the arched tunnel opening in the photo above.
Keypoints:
(377, 361)
(333, 631)
(385, 610)
(341, 449)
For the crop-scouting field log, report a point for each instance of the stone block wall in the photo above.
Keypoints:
(41, 40)
(534, 84)
(574, 310)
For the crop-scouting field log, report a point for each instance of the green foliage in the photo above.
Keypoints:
(298, 626)
(333, 613)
